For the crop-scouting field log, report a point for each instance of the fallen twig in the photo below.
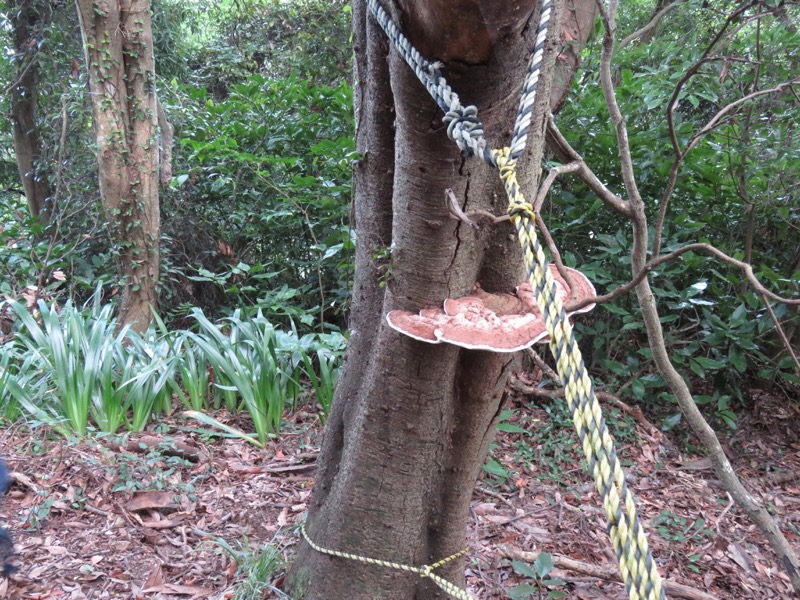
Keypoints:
(633, 411)
(610, 572)
(166, 446)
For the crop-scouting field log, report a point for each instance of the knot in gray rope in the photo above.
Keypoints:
(465, 129)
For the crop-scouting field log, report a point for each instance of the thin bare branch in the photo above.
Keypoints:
(633, 411)
(656, 262)
(743, 23)
(457, 213)
(554, 252)
(715, 120)
(694, 69)
(610, 96)
(663, 204)
(455, 209)
(651, 25)
(679, 158)
(549, 372)
(673, 589)
(782, 334)
(680, 154)
(548, 182)
(30, 61)
(567, 154)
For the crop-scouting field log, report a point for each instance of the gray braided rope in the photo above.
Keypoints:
(463, 125)
(523, 123)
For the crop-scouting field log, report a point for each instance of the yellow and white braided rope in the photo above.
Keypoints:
(425, 571)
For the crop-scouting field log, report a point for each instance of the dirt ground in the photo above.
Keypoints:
(110, 518)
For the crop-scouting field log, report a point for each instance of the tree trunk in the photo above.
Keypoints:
(411, 422)
(29, 20)
(118, 43)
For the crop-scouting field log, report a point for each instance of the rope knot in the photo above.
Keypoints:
(522, 209)
(503, 160)
(425, 571)
(465, 129)
(435, 70)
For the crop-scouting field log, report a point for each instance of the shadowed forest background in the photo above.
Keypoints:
(210, 411)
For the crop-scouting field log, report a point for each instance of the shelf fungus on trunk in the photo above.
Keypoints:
(490, 321)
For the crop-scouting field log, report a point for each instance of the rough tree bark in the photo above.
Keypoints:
(118, 43)
(411, 422)
(29, 21)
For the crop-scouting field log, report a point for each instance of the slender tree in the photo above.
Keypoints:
(118, 44)
(29, 20)
(411, 422)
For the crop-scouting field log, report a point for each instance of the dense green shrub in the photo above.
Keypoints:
(259, 208)
(737, 183)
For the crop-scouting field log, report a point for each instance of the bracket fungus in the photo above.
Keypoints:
(485, 321)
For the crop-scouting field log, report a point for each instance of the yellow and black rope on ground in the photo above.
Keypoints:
(425, 571)
(637, 566)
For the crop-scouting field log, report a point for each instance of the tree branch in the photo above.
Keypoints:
(567, 154)
(692, 71)
(680, 155)
(633, 411)
(570, 167)
(656, 262)
(651, 25)
(787, 557)
(555, 255)
(539, 361)
(716, 118)
(610, 96)
(456, 212)
(782, 335)
(30, 61)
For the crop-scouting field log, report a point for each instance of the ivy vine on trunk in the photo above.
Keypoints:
(118, 44)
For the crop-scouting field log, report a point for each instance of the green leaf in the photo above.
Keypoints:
(671, 421)
(627, 76)
(495, 468)
(697, 367)
(506, 414)
(511, 428)
(710, 363)
(737, 358)
(617, 310)
(728, 417)
(204, 418)
(521, 592)
(739, 316)
(543, 564)
(524, 569)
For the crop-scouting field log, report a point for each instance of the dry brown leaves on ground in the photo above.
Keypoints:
(143, 517)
